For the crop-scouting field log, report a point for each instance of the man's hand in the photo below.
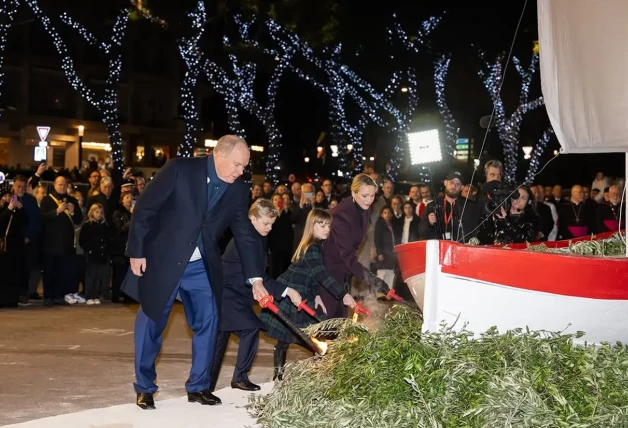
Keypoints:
(62, 208)
(348, 301)
(432, 218)
(318, 302)
(138, 266)
(259, 291)
(40, 169)
(294, 296)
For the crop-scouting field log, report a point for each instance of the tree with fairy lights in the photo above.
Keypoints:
(441, 67)
(535, 159)
(340, 89)
(405, 81)
(7, 13)
(107, 101)
(193, 60)
(240, 76)
(509, 126)
(400, 84)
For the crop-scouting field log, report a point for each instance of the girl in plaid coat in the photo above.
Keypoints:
(304, 275)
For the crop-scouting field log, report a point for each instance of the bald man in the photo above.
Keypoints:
(575, 218)
(609, 215)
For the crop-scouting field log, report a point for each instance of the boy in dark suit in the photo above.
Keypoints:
(238, 316)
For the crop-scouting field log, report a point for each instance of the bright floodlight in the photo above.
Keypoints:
(424, 147)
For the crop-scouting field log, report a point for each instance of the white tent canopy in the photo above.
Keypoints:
(584, 72)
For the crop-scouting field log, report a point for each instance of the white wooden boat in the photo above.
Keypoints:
(484, 286)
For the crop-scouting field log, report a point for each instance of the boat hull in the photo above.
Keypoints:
(478, 287)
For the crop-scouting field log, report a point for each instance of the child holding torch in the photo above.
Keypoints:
(305, 275)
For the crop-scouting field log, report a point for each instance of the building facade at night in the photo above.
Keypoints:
(36, 93)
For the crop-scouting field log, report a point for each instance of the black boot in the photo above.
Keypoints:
(279, 358)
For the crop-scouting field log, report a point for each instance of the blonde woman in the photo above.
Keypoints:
(351, 221)
(95, 238)
(307, 275)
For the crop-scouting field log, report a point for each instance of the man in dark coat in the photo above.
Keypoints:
(60, 213)
(173, 251)
(452, 217)
(238, 316)
(30, 231)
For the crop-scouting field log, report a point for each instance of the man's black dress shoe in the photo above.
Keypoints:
(145, 401)
(204, 397)
(245, 385)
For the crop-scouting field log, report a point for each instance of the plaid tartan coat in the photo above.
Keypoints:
(305, 277)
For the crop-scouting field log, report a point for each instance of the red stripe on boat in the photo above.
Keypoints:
(577, 276)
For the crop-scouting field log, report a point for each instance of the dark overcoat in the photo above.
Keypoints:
(306, 277)
(349, 226)
(167, 219)
(237, 296)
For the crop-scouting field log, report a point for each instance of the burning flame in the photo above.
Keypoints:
(321, 345)
(355, 317)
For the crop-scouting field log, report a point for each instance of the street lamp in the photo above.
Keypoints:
(349, 147)
(81, 132)
(527, 152)
(404, 89)
(306, 159)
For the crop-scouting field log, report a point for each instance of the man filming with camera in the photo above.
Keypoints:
(451, 218)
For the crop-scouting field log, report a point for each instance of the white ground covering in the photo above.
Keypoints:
(169, 414)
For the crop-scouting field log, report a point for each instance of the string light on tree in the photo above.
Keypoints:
(509, 126)
(107, 104)
(419, 39)
(340, 87)
(192, 58)
(241, 78)
(535, 160)
(7, 12)
(441, 67)
(397, 35)
(402, 80)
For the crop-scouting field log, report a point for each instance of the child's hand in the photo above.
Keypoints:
(318, 302)
(348, 301)
(294, 296)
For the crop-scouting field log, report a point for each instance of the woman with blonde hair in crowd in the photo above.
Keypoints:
(95, 240)
(351, 221)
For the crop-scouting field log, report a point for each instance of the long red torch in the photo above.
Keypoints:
(311, 312)
(392, 295)
(267, 302)
(359, 309)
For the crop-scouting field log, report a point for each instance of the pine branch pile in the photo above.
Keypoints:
(395, 376)
(609, 247)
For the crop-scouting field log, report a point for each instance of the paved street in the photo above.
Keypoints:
(73, 358)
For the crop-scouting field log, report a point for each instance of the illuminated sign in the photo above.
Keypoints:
(424, 147)
(40, 154)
